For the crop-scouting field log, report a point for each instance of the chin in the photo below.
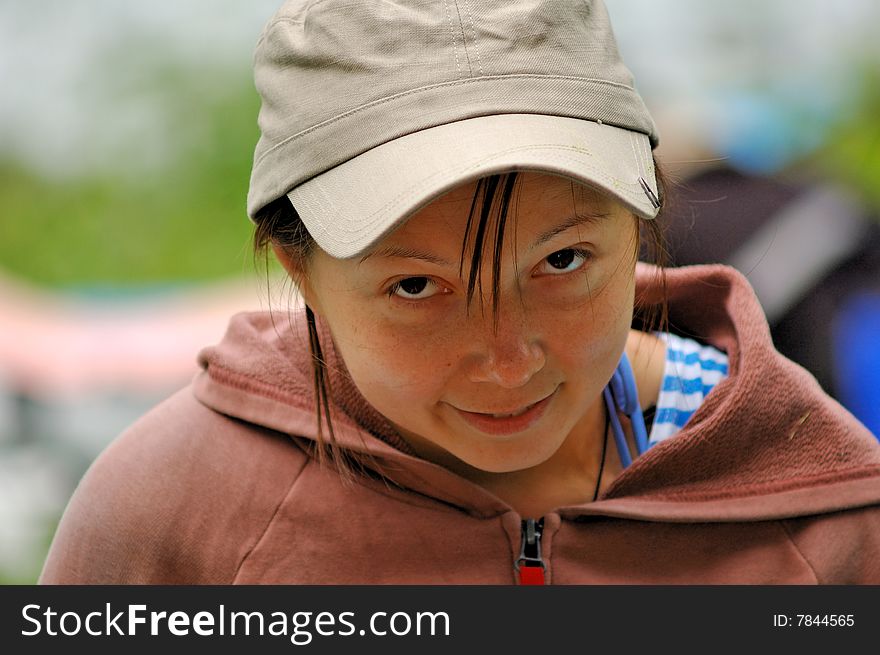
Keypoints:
(509, 464)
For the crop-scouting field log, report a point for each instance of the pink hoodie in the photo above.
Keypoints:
(771, 481)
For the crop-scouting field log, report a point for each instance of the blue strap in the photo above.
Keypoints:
(621, 395)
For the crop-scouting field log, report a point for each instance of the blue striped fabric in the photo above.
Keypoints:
(692, 371)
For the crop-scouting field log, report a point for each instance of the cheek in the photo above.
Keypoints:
(591, 338)
(395, 366)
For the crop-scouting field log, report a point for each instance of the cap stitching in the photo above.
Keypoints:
(467, 54)
(648, 158)
(474, 36)
(451, 32)
(422, 89)
(638, 162)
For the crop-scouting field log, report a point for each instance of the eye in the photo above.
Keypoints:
(564, 261)
(413, 288)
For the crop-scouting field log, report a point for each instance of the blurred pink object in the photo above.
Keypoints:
(55, 344)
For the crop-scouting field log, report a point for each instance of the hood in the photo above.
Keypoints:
(766, 443)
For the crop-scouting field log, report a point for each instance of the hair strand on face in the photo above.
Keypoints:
(487, 206)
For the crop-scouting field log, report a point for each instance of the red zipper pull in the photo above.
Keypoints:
(529, 565)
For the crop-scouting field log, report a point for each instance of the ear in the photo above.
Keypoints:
(299, 277)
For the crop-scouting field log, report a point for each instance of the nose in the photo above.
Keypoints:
(509, 356)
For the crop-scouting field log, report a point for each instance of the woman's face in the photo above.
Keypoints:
(459, 390)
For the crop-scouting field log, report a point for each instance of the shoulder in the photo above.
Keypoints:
(180, 497)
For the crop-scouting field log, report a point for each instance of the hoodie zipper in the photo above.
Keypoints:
(529, 565)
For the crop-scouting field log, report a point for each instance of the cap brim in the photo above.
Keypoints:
(350, 207)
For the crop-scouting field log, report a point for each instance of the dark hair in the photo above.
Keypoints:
(279, 225)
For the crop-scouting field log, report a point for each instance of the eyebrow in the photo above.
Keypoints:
(414, 253)
(407, 253)
(574, 220)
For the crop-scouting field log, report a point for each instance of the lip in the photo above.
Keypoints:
(507, 425)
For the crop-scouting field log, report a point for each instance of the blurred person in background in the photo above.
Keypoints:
(811, 251)
(771, 132)
(482, 385)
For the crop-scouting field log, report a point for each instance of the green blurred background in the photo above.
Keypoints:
(141, 218)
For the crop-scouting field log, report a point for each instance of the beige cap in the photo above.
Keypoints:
(371, 109)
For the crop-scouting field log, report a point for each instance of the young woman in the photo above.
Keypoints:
(483, 385)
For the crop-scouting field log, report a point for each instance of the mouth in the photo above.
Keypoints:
(504, 423)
